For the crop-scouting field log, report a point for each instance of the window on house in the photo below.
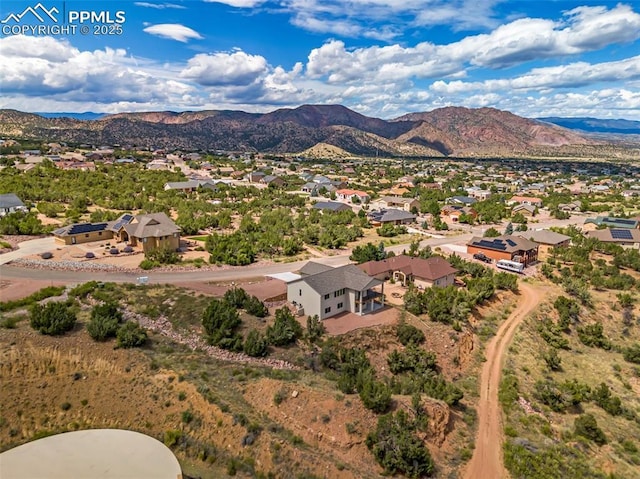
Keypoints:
(300, 292)
(340, 305)
(327, 310)
(100, 233)
(87, 235)
(326, 296)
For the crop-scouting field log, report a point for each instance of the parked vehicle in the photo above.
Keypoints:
(482, 257)
(513, 266)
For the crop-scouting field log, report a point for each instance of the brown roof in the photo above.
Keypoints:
(621, 236)
(430, 269)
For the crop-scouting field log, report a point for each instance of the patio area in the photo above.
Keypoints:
(345, 322)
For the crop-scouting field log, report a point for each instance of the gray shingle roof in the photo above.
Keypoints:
(152, 226)
(10, 200)
(391, 215)
(182, 185)
(348, 276)
(314, 268)
(331, 205)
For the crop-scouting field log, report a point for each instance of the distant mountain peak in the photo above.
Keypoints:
(448, 131)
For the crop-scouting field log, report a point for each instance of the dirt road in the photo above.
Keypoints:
(486, 462)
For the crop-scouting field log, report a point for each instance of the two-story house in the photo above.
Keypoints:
(326, 291)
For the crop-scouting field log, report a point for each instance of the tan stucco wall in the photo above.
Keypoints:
(85, 237)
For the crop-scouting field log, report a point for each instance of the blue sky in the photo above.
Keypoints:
(380, 58)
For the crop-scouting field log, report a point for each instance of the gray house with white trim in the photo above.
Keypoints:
(326, 291)
(10, 203)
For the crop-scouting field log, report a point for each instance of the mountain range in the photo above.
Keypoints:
(449, 131)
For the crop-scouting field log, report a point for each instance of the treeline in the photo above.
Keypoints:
(276, 232)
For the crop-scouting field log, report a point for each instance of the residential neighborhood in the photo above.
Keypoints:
(350, 251)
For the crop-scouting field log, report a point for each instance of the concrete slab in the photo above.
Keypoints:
(286, 277)
(91, 454)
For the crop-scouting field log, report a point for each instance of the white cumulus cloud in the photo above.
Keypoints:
(223, 68)
(173, 31)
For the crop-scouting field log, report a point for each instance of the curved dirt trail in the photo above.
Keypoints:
(486, 462)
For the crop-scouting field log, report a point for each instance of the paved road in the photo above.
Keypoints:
(223, 274)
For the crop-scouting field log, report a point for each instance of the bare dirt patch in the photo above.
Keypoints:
(17, 289)
(324, 419)
(263, 288)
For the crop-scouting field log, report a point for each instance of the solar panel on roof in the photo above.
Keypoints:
(125, 219)
(621, 234)
(87, 228)
(511, 242)
(491, 244)
(621, 221)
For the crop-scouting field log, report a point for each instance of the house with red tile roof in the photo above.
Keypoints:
(423, 273)
(349, 195)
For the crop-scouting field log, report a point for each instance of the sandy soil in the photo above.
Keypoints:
(487, 455)
(11, 290)
(263, 288)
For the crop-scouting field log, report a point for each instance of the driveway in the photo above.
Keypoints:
(27, 248)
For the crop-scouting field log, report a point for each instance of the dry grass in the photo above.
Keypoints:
(588, 365)
(53, 384)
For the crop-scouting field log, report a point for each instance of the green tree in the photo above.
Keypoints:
(375, 395)
(256, 344)
(409, 334)
(368, 252)
(397, 449)
(552, 359)
(491, 233)
(54, 318)
(105, 321)
(602, 397)
(255, 307)
(236, 297)
(593, 335)
(221, 321)
(131, 335)
(285, 329)
(632, 353)
(586, 426)
(509, 229)
(315, 328)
